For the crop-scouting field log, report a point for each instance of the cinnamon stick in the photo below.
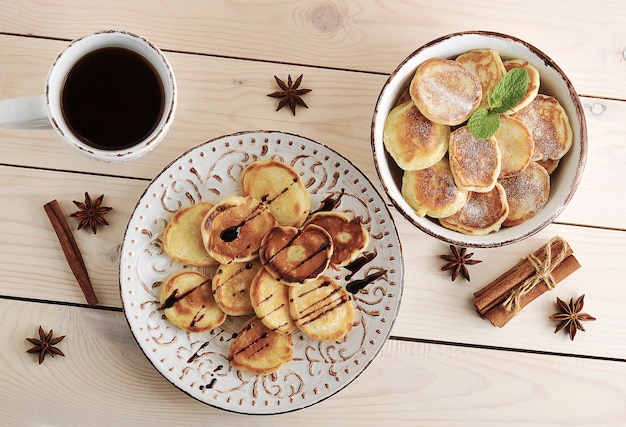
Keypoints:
(499, 315)
(498, 290)
(70, 250)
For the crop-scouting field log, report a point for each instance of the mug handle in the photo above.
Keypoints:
(29, 112)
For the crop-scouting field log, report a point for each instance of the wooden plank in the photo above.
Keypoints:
(432, 307)
(606, 160)
(371, 36)
(104, 378)
(33, 262)
(233, 98)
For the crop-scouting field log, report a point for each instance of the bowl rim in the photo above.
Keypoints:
(491, 239)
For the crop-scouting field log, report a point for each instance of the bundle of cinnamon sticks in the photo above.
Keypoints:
(535, 274)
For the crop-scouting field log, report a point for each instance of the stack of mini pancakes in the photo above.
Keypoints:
(270, 255)
(475, 186)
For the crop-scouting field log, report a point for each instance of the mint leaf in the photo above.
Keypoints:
(483, 124)
(507, 94)
(509, 91)
(494, 98)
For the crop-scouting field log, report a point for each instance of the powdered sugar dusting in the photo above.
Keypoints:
(439, 187)
(549, 126)
(526, 193)
(441, 94)
(475, 162)
(482, 210)
(421, 131)
(445, 91)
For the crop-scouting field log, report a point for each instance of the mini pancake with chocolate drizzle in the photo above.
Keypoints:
(294, 255)
(279, 188)
(233, 229)
(187, 302)
(259, 350)
(231, 286)
(350, 238)
(270, 300)
(322, 309)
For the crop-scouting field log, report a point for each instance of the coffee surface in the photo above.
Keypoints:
(112, 98)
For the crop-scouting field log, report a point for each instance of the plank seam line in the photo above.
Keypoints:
(509, 349)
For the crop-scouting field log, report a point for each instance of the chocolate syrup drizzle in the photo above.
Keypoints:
(173, 298)
(266, 198)
(331, 202)
(197, 354)
(359, 263)
(232, 233)
(356, 285)
(330, 302)
(263, 336)
(321, 248)
(214, 380)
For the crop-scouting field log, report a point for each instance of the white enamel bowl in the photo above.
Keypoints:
(554, 82)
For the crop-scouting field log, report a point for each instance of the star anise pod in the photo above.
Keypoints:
(570, 316)
(91, 213)
(290, 93)
(458, 262)
(45, 345)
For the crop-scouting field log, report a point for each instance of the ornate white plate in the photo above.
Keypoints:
(197, 362)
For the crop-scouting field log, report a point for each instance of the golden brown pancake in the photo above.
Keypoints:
(279, 187)
(481, 214)
(445, 91)
(404, 97)
(182, 239)
(270, 300)
(322, 309)
(432, 191)
(231, 286)
(187, 302)
(516, 146)
(526, 193)
(349, 237)
(550, 127)
(295, 255)
(487, 65)
(258, 350)
(475, 163)
(533, 82)
(412, 140)
(233, 229)
(549, 165)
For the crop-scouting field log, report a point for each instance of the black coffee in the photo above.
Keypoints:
(112, 98)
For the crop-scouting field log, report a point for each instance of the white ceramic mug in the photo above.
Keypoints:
(47, 110)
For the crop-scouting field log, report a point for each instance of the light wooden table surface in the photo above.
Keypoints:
(443, 365)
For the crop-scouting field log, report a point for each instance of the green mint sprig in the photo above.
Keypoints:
(509, 91)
